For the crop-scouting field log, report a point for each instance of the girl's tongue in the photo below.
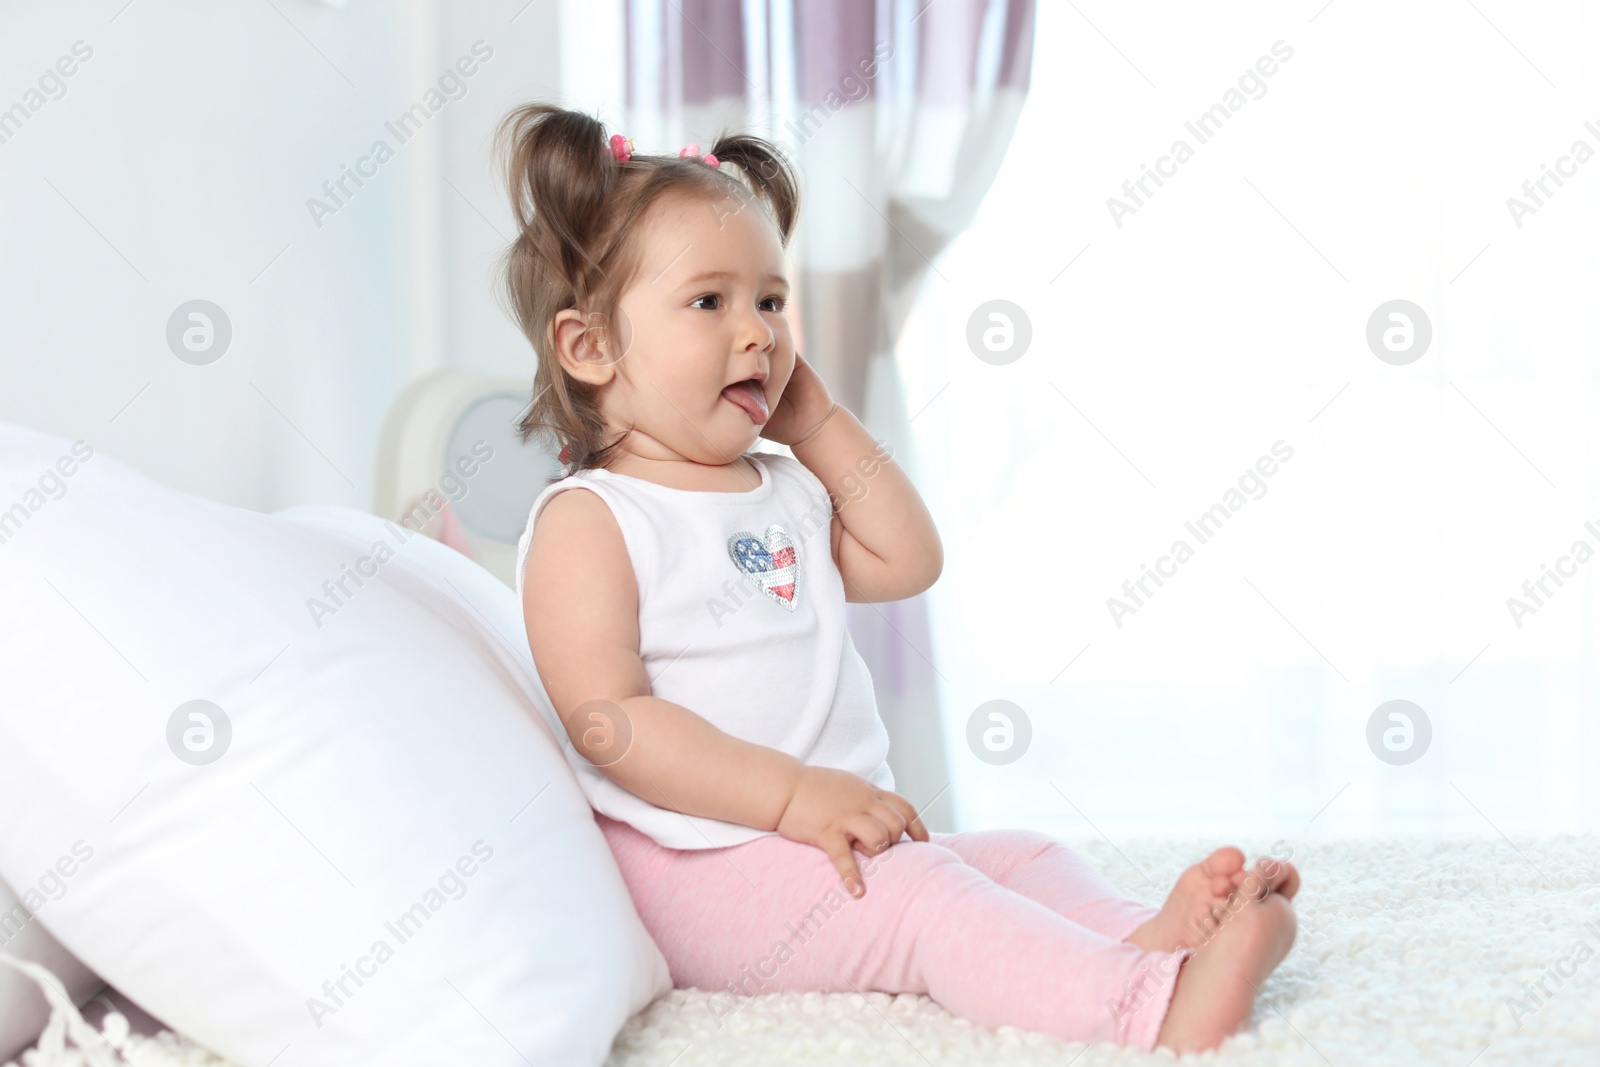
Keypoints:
(748, 396)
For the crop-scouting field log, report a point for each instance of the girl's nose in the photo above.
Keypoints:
(757, 333)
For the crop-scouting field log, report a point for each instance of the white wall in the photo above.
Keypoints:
(177, 165)
(476, 217)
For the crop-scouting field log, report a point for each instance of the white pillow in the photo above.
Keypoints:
(387, 860)
(23, 1011)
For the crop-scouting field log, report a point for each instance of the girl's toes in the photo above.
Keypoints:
(1223, 869)
(1224, 861)
(1253, 883)
(1288, 880)
(1274, 876)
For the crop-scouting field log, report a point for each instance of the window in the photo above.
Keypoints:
(1362, 518)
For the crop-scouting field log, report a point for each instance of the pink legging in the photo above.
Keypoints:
(1001, 927)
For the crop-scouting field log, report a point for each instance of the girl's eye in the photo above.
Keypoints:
(778, 302)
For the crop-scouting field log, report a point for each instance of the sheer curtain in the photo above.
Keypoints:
(1235, 311)
(898, 114)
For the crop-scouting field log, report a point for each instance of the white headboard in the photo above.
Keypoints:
(450, 465)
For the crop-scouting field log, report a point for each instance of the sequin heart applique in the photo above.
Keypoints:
(770, 562)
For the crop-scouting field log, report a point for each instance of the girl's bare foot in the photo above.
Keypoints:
(1191, 915)
(1217, 985)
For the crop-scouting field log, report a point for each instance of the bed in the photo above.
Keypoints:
(1409, 952)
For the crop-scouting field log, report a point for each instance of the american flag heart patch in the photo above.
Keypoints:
(770, 562)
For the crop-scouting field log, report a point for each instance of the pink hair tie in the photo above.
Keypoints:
(621, 148)
(693, 149)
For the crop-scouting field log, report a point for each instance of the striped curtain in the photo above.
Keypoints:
(897, 114)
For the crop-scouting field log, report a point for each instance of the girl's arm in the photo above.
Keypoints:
(884, 539)
(580, 608)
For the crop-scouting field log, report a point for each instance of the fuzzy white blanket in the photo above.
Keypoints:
(1477, 953)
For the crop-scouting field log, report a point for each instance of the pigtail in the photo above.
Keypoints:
(558, 171)
(769, 174)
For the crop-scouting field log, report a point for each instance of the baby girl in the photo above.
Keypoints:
(686, 614)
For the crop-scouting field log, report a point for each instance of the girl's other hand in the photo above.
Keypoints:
(831, 808)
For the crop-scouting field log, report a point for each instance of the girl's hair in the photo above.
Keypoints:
(578, 215)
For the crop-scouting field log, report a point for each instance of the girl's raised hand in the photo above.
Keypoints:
(831, 808)
(805, 403)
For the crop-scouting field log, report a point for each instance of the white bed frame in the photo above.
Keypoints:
(443, 424)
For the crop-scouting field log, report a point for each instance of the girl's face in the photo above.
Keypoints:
(705, 312)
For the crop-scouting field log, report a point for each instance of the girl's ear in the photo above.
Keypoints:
(587, 348)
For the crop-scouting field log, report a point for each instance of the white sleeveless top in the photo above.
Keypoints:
(742, 621)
